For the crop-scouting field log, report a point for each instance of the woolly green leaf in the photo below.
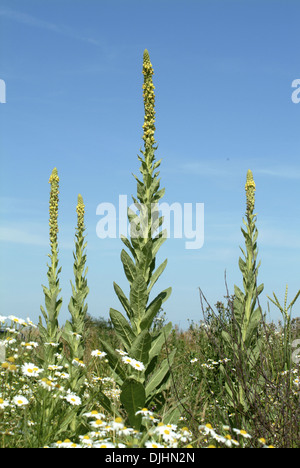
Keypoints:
(159, 375)
(158, 241)
(157, 274)
(138, 298)
(151, 312)
(128, 265)
(141, 347)
(128, 245)
(133, 399)
(123, 299)
(122, 328)
(160, 340)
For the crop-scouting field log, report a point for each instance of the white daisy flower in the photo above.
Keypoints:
(166, 432)
(73, 399)
(77, 362)
(17, 320)
(29, 322)
(30, 345)
(20, 400)
(144, 412)
(98, 353)
(208, 429)
(133, 363)
(53, 367)
(98, 423)
(31, 370)
(242, 432)
(86, 440)
(104, 445)
(121, 352)
(138, 365)
(151, 444)
(63, 375)
(3, 403)
(94, 414)
(117, 424)
(127, 360)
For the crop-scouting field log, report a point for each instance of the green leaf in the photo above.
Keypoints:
(157, 274)
(141, 347)
(159, 341)
(259, 289)
(123, 299)
(106, 403)
(158, 241)
(128, 245)
(146, 261)
(159, 375)
(151, 312)
(128, 265)
(122, 328)
(133, 399)
(138, 298)
(172, 416)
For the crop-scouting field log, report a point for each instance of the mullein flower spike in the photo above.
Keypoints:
(80, 213)
(149, 101)
(250, 188)
(53, 208)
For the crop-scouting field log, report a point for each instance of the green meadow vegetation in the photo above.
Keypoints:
(136, 381)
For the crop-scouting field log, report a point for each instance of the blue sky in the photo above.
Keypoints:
(223, 77)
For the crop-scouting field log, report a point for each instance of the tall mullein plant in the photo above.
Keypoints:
(74, 330)
(140, 388)
(51, 333)
(247, 312)
(246, 343)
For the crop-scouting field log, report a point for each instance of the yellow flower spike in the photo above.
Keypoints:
(149, 100)
(53, 208)
(250, 188)
(80, 213)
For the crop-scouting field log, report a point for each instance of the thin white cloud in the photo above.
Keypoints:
(283, 172)
(22, 236)
(33, 21)
(227, 167)
(33, 234)
(276, 237)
